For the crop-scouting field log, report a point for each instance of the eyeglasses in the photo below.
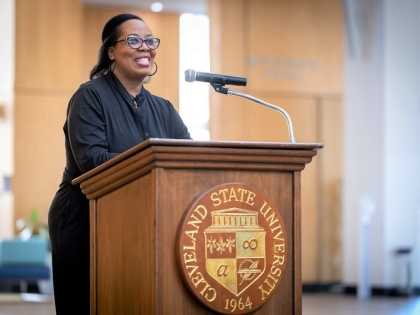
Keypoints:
(136, 42)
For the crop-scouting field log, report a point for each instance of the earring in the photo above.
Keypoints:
(150, 75)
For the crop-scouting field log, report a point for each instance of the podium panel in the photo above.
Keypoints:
(138, 202)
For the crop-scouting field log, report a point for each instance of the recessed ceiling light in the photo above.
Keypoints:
(156, 7)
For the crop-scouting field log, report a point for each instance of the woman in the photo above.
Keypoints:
(106, 116)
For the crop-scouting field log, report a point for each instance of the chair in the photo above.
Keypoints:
(23, 261)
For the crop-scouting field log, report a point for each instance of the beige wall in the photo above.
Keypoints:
(290, 51)
(47, 67)
(56, 57)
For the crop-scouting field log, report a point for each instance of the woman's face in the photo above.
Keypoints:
(132, 64)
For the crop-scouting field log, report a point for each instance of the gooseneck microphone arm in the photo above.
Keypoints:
(220, 89)
(218, 81)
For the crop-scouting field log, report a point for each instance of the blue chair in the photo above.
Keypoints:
(24, 261)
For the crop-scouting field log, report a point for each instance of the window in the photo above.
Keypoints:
(194, 102)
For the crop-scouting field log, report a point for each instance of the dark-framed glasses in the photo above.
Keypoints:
(135, 42)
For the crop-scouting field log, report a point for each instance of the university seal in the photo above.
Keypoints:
(231, 248)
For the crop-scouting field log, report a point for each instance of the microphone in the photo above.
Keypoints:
(219, 79)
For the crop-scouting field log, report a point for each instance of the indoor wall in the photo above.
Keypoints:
(51, 63)
(291, 52)
(382, 79)
(7, 10)
(47, 65)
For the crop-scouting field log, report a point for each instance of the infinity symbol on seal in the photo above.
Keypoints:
(251, 244)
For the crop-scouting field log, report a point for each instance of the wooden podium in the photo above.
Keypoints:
(138, 199)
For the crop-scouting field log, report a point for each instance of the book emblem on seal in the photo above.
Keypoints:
(231, 248)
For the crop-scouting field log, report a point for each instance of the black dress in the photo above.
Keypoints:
(102, 122)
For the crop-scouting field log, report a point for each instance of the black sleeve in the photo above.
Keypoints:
(87, 129)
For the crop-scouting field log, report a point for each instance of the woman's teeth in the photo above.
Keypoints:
(142, 60)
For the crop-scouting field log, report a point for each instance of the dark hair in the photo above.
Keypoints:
(110, 34)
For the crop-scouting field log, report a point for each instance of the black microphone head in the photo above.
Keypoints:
(190, 75)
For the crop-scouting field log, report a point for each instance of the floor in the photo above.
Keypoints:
(313, 304)
(329, 304)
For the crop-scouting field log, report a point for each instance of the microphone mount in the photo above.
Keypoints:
(219, 88)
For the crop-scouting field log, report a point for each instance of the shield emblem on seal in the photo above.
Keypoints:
(235, 249)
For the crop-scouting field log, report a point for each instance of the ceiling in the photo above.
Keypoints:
(179, 6)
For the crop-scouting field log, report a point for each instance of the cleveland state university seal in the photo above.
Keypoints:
(231, 248)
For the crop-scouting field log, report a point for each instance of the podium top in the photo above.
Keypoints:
(192, 154)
